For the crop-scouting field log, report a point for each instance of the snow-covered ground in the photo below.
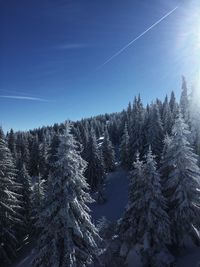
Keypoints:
(112, 209)
(117, 197)
(191, 258)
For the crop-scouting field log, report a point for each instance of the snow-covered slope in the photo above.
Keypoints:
(191, 258)
(117, 197)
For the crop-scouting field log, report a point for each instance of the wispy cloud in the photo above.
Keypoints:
(12, 92)
(71, 46)
(26, 98)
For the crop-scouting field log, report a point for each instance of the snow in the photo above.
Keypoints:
(112, 209)
(117, 197)
(100, 141)
(124, 250)
(191, 258)
(133, 258)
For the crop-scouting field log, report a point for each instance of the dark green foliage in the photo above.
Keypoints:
(10, 203)
(108, 153)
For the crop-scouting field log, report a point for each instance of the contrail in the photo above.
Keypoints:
(24, 98)
(138, 37)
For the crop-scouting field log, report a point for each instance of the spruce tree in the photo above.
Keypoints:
(155, 133)
(184, 103)
(52, 153)
(24, 180)
(181, 176)
(125, 156)
(22, 149)
(68, 235)
(108, 153)
(10, 203)
(145, 221)
(95, 170)
(194, 111)
(11, 143)
(34, 157)
(136, 129)
(167, 117)
(173, 105)
(38, 197)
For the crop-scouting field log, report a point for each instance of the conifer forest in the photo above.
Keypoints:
(52, 177)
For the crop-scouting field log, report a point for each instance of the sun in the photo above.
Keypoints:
(188, 40)
(196, 33)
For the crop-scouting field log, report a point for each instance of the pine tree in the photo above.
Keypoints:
(167, 117)
(34, 158)
(10, 203)
(108, 153)
(22, 149)
(43, 162)
(52, 153)
(38, 197)
(136, 129)
(155, 133)
(184, 103)
(24, 180)
(181, 176)
(68, 236)
(125, 156)
(173, 105)
(194, 111)
(95, 170)
(84, 138)
(11, 143)
(145, 221)
(113, 130)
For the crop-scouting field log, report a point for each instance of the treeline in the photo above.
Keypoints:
(48, 174)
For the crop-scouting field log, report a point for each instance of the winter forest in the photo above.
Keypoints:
(50, 177)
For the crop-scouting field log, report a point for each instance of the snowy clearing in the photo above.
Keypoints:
(117, 197)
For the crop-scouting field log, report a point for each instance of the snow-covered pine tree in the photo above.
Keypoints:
(155, 133)
(167, 117)
(34, 157)
(95, 170)
(43, 163)
(68, 235)
(113, 130)
(184, 103)
(181, 178)
(84, 139)
(173, 104)
(136, 128)
(24, 180)
(52, 153)
(129, 224)
(22, 148)
(38, 197)
(125, 156)
(129, 113)
(11, 143)
(10, 203)
(108, 153)
(194, 110)
(145, 222)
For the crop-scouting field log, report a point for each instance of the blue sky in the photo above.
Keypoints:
(51, 52)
